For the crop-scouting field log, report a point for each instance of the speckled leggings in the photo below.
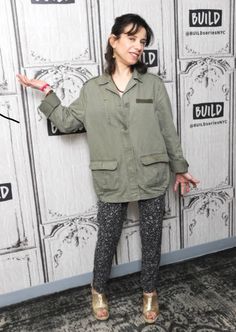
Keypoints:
(110, 219)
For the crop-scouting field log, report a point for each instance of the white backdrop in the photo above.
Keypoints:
(47, 202)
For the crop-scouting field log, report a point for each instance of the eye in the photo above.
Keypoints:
(131, 38)
(143, 42)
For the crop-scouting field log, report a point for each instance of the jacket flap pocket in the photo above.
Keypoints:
(154, 158)
(103, 165)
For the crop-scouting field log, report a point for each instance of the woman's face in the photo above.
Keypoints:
(128, 48)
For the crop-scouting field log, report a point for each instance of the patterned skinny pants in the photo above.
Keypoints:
(110, 219)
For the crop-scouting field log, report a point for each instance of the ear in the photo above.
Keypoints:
(112, 40)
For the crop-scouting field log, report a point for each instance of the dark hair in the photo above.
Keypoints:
(120, 24)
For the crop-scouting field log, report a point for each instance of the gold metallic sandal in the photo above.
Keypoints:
(150, 304)
(99, 301)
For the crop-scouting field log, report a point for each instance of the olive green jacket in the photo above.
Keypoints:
(132, 139)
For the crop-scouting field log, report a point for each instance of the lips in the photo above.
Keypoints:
(136, 55)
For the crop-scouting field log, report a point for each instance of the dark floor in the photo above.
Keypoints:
(197, 295)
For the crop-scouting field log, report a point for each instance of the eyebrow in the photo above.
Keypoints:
(130, 34)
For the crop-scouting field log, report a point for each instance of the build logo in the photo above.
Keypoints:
(205, 18)
(208, 110)
(5, 192)
(150, 58)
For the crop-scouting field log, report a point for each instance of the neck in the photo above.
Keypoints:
(121, 77)
(122, 71)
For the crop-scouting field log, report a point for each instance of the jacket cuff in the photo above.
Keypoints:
(49, 103)
(179, 166)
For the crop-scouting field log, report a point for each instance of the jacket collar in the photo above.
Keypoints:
(106, 78)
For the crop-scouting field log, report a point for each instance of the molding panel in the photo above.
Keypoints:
(7, 50)
(206, 103)
(70, 245)
(170, 235)
(207, 217)
(16, 209)
(20, 270)
(129, 247)
(57, 33)
(205, 28)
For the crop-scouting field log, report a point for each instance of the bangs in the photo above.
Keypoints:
(135, 28)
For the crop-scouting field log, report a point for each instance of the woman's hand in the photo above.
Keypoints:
(33, 83)
(184, 180)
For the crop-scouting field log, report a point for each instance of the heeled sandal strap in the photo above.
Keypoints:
(150, 304)
(99, 301)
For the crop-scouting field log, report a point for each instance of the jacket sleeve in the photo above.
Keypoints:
(177, 162)
(66, 119)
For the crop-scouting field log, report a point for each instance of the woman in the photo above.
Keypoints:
(133, 144)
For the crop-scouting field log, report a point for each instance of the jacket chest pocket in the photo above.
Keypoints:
(145, 111)
(105, 175)
(155, 170)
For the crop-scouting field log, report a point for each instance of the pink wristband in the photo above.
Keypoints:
(44, 87)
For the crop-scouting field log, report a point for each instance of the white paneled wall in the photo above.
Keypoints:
(47, 203)
(206, 70)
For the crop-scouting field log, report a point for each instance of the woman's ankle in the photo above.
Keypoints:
(94, 290)
(154, 292)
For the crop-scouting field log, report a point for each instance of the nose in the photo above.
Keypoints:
(138, 45)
